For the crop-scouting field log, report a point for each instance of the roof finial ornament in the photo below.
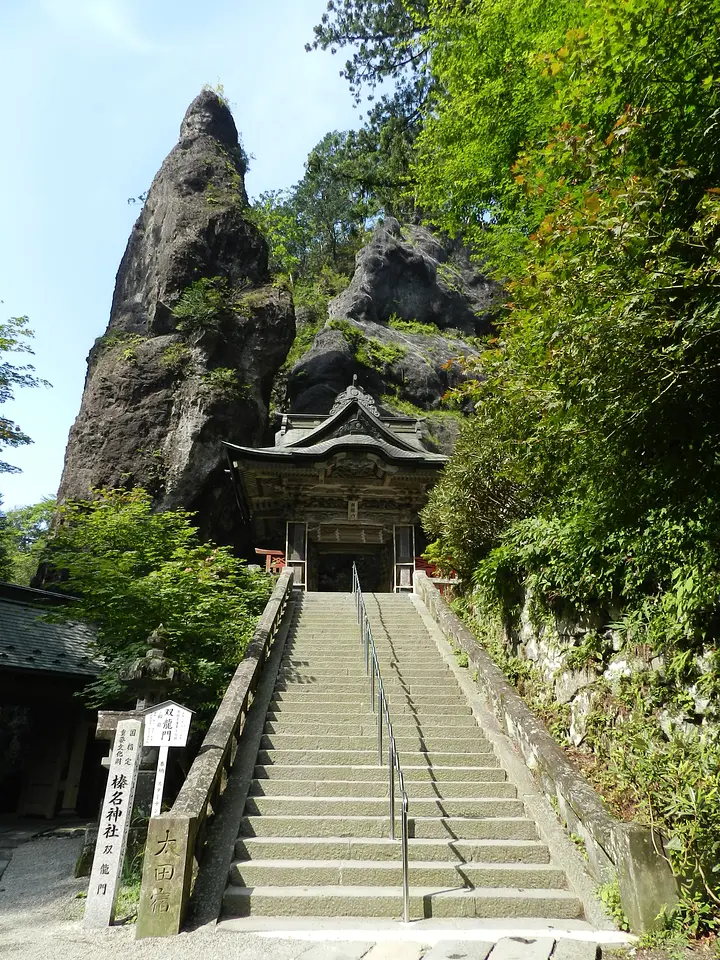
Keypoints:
(355, 392)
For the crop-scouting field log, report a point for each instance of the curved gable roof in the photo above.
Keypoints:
(362, 421)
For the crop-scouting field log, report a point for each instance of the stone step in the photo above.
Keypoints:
(475, 746)
(314, 837)
(368, 727)
(292, 806)
(349, 629)
(327, 642)
(425, 902)
(439, 692)
(361, 695)
(353, 663)
(428, 789)
(370, 756)
(321, 706)
(348, 649)
(357, 681)
(361, 701)
(386, 873)
(426, 828)
(379, 774)
(302, 725)
(357, 670)
(391, 681)
(311, 699)
(331, 848)
(389, 678)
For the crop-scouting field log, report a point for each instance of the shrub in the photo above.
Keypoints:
(202, 305)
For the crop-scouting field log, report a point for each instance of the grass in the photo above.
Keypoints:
(128, 899)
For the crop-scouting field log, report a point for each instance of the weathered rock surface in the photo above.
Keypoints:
(415, 274)
(411, 275)
(159, 398)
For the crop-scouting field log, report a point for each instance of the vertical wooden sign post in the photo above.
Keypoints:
(114, 824)
(166, 725)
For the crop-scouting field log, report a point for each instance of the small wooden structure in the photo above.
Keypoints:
(45, 731)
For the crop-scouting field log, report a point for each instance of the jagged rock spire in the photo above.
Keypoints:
(152, 413)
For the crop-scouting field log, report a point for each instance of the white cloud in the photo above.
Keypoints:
(111, 19)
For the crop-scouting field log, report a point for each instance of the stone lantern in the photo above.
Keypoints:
(150, 677)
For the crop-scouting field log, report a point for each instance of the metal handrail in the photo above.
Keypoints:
(372, 668)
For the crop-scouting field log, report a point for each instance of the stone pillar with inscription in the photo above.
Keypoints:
(167, 874)
(114, 824)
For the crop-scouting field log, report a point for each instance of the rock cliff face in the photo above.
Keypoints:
(196, 335)
(412, 308)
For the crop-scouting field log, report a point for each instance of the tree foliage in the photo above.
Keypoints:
(26, 530)
(388, 40)
(14, 334)
(133, 570)
(389, 44)
(589, 469)
(6, 567)
(319, 222)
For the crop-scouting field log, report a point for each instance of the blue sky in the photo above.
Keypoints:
(95, 91)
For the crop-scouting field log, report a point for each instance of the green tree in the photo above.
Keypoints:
(491, 94)
(599, 389)
(14, 334)
(390, 47)
(588, 472)
(320, 222)
(333, 207)
(5, 548)
(133, 570)
(26, 532)
(388, 38)
(275, 213)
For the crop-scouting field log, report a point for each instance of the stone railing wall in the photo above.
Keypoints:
(630, 851)
(176, 839)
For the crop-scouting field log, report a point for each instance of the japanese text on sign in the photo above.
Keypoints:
(114, 824)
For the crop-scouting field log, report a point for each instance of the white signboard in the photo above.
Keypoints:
(114, 824)
(167, 725)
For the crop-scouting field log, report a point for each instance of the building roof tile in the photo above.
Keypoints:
(29, 642)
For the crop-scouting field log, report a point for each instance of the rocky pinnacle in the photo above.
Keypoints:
(162, 391)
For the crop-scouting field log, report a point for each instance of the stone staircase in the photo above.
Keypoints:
(313, 839)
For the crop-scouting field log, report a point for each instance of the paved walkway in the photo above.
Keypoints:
(14, 831)
(40, 919)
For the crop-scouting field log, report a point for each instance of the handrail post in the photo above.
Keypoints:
(404, 845)
(372, 666)
(381, 710)
(391, 767)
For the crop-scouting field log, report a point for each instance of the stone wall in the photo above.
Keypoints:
(583, 658)
(633, 853)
